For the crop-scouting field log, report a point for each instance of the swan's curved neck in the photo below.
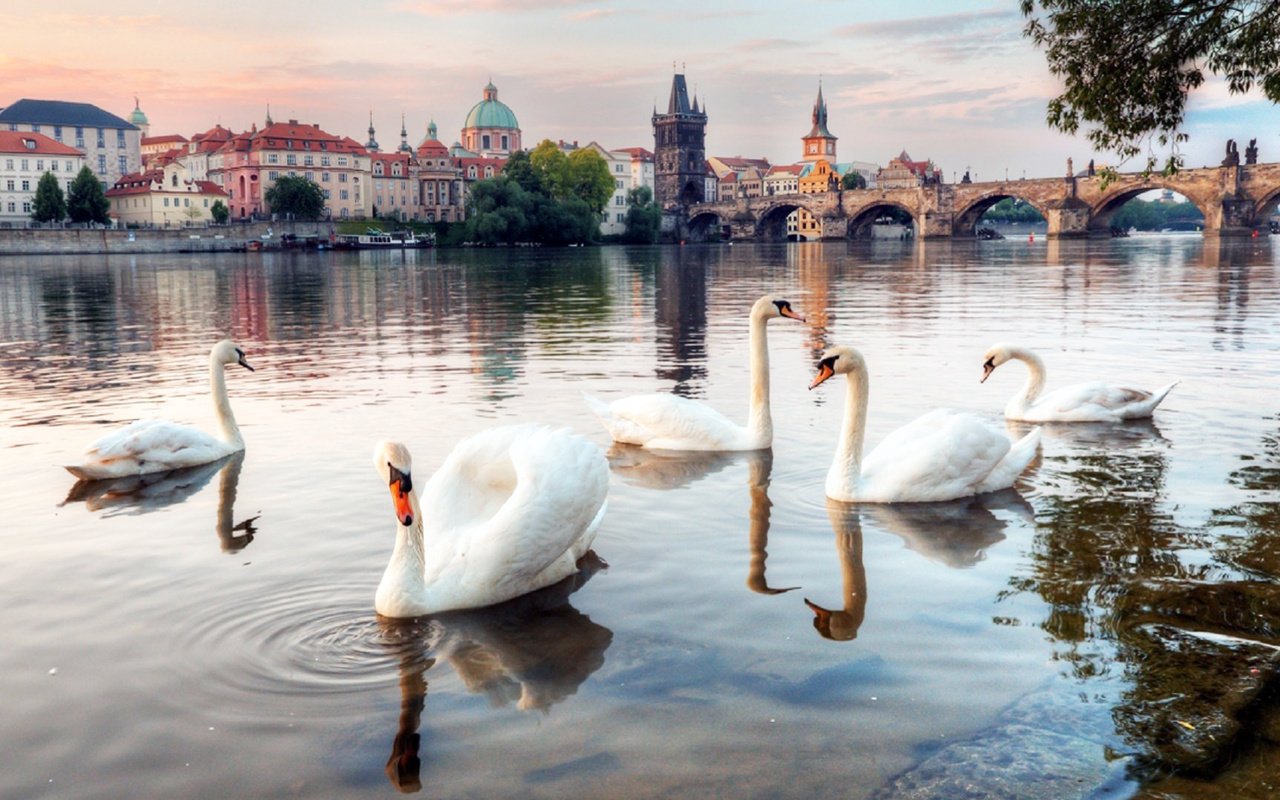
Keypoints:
(1035, 377)
(846, 467)
(404, 576)
(760, 421)
(227, 426)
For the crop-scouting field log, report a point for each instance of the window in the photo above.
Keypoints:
(173, 180)
(324, 177)
(621, 218)
(120, 139)
(102, 141)
(24, 165)
(273, 158)
(8, 163)
(343, 194)
(291, 159)
(26, 186)
(123, 164)
(484, 141)
(327, 194)
(206, 202)
(324, 161)
(617, 168)
(35, 128)
(53, 165)
(377, 168)
(273, 175)
(79, 136)
(57, 132)
(342, 177)
(471, 171)
(186, 202)
(311, 176)
(9, 185)
(39, 165)
(26, 207)
(395, 170)
(13, 208)
(308, 161)
(102, 164)
(488, 172)
(342, 161)
(166, 202)
(505, 146)
(617, 184)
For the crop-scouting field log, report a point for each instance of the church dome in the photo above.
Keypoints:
(137, 117)
(490, 112)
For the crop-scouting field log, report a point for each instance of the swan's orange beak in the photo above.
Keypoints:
(987, 369)
(821, 618)
(787, 312)
(824, 372)
(401, 486)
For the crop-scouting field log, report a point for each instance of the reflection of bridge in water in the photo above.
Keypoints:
(1235, 201)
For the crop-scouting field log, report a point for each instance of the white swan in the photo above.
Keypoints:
(942, 455)
(670, 422)
(157, 445)
(510, 511)
(1081, 402)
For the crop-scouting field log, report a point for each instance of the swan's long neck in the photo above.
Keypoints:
(1035, 377)
(760, 421)
(846, 467)
(404, 577)
(229, 430)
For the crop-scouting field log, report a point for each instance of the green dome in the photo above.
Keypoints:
(490, 113)
(136, 116)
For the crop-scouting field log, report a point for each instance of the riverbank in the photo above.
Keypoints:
(121, 241)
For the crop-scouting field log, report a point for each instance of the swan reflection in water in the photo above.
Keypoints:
(956, 533)
(1112, 435)
(676, 469)
(533, 652)
(841, 624)
(140, 494)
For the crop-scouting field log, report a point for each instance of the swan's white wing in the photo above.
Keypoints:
(942, 455)
(511, 510)
(669, 422)
(1095, 401)
(149, 445)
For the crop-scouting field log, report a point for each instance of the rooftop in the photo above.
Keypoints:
(37, 143)
(62, 112)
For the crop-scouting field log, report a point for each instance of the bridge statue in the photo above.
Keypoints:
(1070, 169)
(1233, 155)
(1251, 152)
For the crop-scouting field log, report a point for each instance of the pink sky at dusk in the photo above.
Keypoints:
(954, 82)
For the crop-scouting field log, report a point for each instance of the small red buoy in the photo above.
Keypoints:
(1031, 238)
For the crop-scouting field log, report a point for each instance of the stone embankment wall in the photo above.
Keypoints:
(222, 238)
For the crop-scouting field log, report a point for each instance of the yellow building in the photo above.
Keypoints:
(821, 177)
(163, 197)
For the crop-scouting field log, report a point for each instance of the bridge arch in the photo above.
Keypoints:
(1105, 207)
(1267, 207)
(864, 217)
(966, 220)
(772, 222)
(705, 226)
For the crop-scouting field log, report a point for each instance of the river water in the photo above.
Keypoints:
(212, 634)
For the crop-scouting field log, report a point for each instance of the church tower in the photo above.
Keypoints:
(372, 144)
(820, 145)
(679, 149)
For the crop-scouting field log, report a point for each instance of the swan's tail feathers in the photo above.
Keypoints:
(1019, 457)
(598, 407)
(620, 429)
(1158, 395)
(79, 472)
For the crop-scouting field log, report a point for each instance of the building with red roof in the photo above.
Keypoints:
(24, 158)
(163, 197)
(249, 163)
(439, 180)
(904, 173)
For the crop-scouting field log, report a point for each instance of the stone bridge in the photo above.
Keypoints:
(1235, 201)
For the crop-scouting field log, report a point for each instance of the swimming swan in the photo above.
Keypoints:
(510, 511)
(942, 455)
(670, 422)
(157, 445)
(1081, 402)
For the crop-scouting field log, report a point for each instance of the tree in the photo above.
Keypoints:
(86, 202)
(49, 204)
(1129, 67)
(295, 196)
(219, 212)
(520, 169)
(853, 180)
(644, 218)
(589, 179)
(583, 174)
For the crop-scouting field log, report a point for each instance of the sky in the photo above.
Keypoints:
(949, 81)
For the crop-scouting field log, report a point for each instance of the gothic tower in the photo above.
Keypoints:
(679, 149)
(820, 145)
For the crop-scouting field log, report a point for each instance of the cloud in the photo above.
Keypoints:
(943, 25)
(457, 8)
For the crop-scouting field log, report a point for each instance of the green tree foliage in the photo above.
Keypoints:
(86, 202)
(582, 173)
(49, 204)
(1157, 215)
(1011, 209)
(294, 195)
(1129, 67)
(219, 212)
(853, 180)
(644, 218)
(519, 168)
(500, 211)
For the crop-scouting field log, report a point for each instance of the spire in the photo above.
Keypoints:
(372, 144)
(679, 102)
(269, 122)
(431, 130)
(819, 130)
(404, 136)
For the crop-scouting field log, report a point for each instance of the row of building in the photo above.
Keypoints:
(171, 179)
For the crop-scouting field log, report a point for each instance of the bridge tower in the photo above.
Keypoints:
(820, 144)
(679, 149)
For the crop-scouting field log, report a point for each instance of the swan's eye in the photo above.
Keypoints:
(402, 478)
(991, 364)
(828, 363)
(782, 305)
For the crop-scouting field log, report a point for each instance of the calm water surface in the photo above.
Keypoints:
(212, 633)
